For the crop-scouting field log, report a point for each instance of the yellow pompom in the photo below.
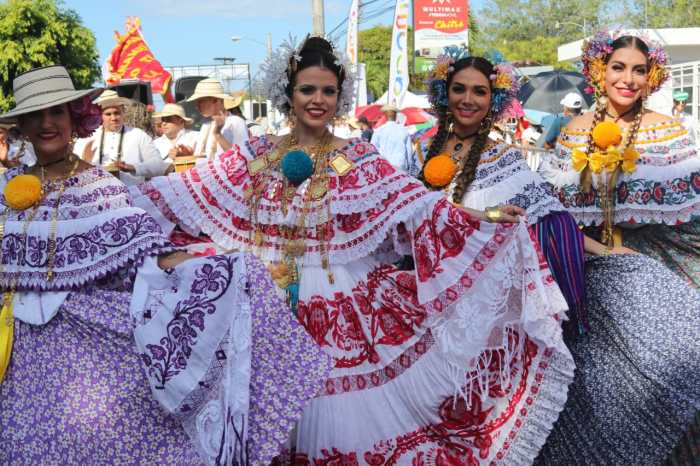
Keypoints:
(606, 134)
(440, 170)
(23, 191)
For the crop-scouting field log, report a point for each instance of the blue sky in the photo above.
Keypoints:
(193, 32)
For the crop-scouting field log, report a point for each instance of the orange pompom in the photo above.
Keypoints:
(23, 191)
(606, 134)
(440, 170)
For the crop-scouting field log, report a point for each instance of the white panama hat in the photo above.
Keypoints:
(208, 87)
(173, 110)
(110, 98)
(42, 88)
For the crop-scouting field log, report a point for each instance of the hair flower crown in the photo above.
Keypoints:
(504, 82)
(279, 67)
(597, 51)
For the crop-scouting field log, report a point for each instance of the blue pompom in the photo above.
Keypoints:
(297, 166)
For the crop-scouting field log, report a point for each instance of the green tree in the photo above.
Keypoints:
(533, 29)
(664, 13)
(374, 50)
(36, 33)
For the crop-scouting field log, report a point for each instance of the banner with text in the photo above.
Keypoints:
(439, 23)
(398, 66)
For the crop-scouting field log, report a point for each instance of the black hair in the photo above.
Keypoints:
(364, 121)
(316, 51)
(624, 42)
(466, 176)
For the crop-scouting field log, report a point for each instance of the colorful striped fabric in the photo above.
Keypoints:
(562, 245)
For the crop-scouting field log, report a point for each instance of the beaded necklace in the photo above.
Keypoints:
(286, 272)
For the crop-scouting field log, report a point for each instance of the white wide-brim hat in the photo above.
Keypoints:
(110, 98)
(173, 110)
(208, 87)
(571, 100)
(42, 88)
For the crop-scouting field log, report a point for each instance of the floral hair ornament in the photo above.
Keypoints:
(505, 83)
(597, 51)
(279, 67)
(86, 116)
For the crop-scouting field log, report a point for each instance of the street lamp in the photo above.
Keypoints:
(269, 54)
(268, 44)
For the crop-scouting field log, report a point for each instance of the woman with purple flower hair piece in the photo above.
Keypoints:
(632, 177)
(84, 273)
(602, 297)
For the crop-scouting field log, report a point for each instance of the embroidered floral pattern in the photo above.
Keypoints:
(169, 358)
(665, 188)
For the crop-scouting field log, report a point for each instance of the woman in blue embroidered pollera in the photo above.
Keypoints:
(613, 319)
(631, 176)
(83, 273)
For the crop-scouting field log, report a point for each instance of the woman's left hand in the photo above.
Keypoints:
(504, 214)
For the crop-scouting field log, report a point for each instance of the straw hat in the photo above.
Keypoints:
(208, 87)
(390, 108)
(43, 88)
(354, 122)
(233, 101)
(110, 98)
(173, 110)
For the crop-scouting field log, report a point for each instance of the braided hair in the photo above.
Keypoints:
(601, 107)
(466, 175)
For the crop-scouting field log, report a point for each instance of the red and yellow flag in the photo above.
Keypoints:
(132, 59)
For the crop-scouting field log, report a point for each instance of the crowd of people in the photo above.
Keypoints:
(338, 293)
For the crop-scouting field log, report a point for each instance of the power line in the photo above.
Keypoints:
(365, 15)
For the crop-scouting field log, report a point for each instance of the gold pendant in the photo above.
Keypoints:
(280, 274)
(274, 156)
(296, 248)
(248, 193)
(258, 238)
(341, 165)
(318, 188)
(255, 166)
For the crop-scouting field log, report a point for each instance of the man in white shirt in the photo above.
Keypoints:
(223, 130)
(176, 140)
(130, 152)
(393, 141)
(14, 153)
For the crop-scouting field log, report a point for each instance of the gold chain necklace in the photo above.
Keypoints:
(286, 273)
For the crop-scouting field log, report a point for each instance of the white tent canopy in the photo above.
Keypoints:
(410, 100)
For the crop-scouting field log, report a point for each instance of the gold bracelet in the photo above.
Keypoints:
(493, 214)
(606, 252)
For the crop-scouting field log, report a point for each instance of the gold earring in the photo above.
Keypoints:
(450, 123)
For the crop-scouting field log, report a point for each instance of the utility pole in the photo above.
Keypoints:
(269, 44)
(318, 18)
